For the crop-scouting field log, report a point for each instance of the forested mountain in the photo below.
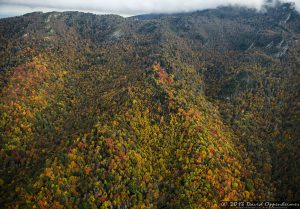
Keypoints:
(153, 111)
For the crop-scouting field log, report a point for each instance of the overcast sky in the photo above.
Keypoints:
(121, 7)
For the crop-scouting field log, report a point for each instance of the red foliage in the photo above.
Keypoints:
(109, 142)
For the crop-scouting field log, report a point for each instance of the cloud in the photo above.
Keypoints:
(123, 7)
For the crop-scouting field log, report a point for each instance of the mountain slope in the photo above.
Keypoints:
(166, 111)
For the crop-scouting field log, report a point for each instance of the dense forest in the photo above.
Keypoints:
(153, 111)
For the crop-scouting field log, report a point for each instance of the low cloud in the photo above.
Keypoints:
(123, 7)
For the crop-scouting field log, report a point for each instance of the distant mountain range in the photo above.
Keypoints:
(152, 111)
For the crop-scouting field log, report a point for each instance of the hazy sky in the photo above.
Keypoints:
(121, 7)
